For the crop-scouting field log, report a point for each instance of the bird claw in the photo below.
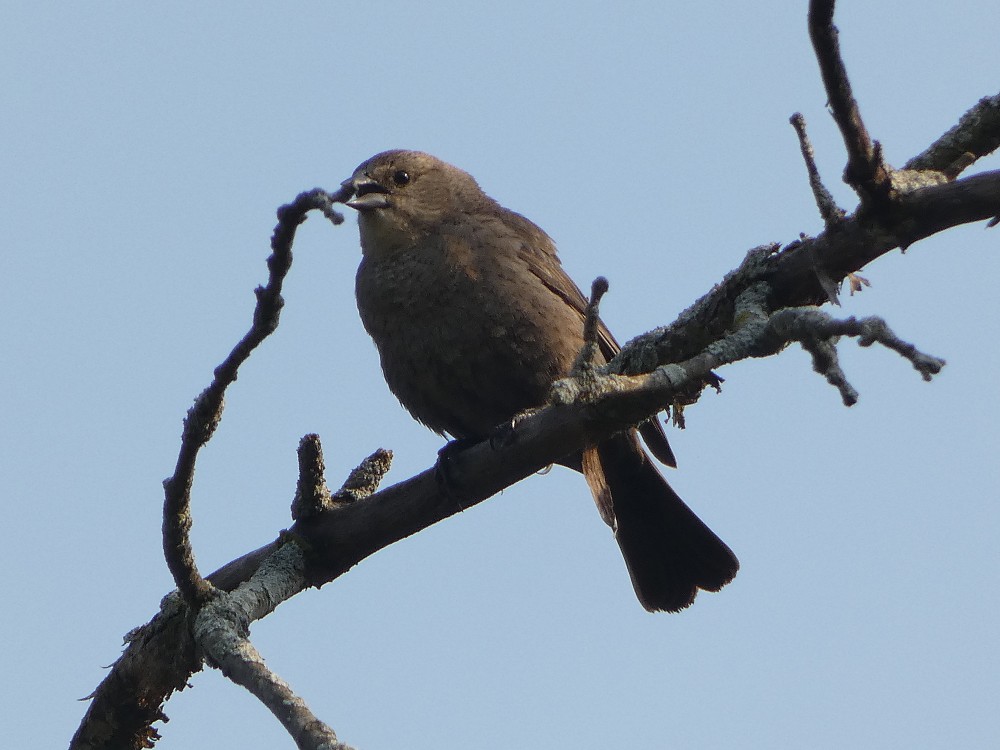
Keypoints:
(442, 467)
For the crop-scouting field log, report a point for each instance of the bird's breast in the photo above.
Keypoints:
(465, 343)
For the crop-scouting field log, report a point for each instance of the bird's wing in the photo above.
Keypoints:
(538, 252)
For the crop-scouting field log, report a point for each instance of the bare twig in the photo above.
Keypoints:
(591, 327)
(311, 493)
(761, 335)
(365, 479)
(203, 417)
(828, 208)
(818, 332)
(826, 362)
(866, 171)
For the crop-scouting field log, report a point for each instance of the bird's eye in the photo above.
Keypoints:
(401, 177)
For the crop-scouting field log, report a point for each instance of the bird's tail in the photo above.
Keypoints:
(669, 551)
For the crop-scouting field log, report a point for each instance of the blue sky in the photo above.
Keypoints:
(145, 150)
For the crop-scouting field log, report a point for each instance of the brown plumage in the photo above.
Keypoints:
(474, 318)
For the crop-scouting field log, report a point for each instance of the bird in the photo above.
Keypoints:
(474, 318)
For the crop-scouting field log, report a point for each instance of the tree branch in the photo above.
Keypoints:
(828, 208)
(222, 627)
(976, 135)
(157, 661)
(866, 172)
(204, 416)
(127, 703)
(766, 303)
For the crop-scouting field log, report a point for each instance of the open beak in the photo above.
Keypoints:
(368, 194)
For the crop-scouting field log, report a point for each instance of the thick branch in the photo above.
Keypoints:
(221, 628)
(794, 277)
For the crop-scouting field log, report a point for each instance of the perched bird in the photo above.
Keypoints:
(474, 318)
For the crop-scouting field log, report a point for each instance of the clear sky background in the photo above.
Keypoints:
(144, 151)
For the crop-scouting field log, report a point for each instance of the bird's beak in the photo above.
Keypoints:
(368, 194)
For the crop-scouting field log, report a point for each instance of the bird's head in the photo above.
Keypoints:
(401, 196)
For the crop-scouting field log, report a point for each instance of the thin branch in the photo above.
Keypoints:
(826, 362)
(365, 478)
(591, 327)
(866, 171)
(312, 496)
(818, 332)
(311, 493)
(204, 416)
(828, 208)
(763, 334)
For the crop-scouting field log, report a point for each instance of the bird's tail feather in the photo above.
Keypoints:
(669, 551)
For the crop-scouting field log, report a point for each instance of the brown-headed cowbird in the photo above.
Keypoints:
(474, 318)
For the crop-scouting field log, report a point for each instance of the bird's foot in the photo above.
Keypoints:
(445, 461)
